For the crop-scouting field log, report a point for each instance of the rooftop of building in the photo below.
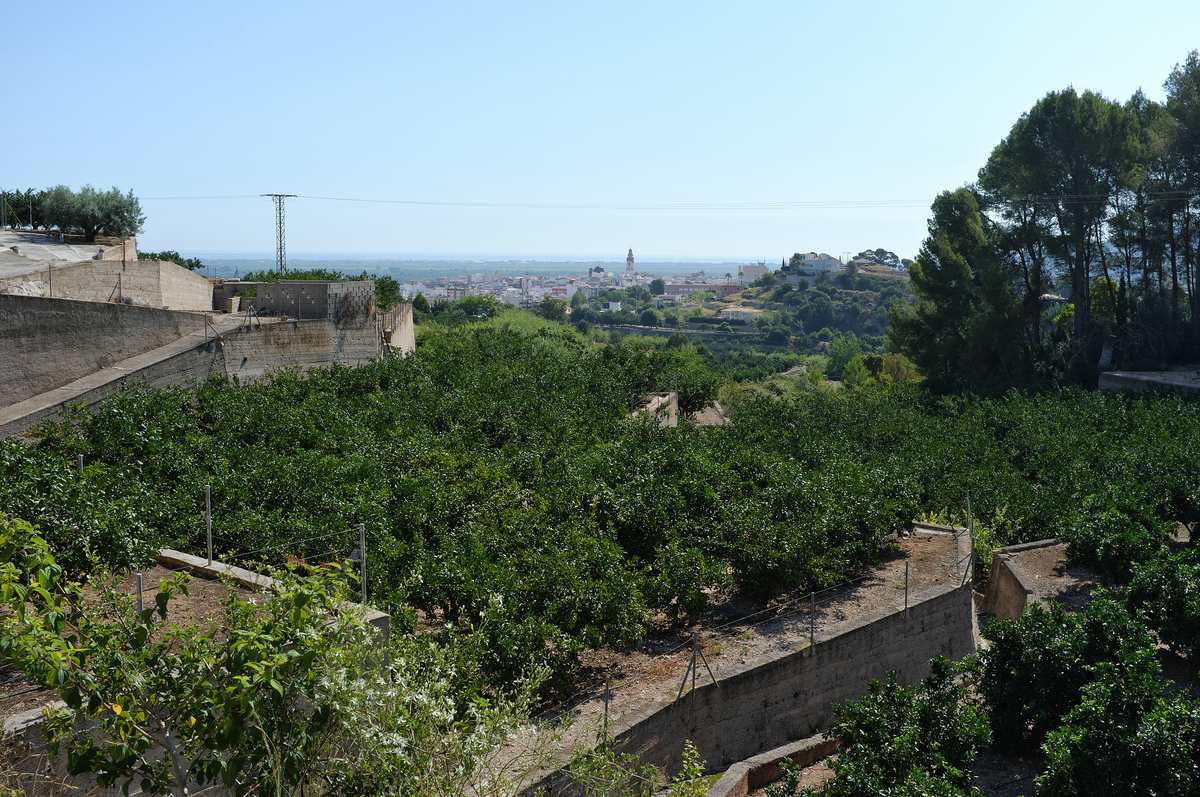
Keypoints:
(24, 252)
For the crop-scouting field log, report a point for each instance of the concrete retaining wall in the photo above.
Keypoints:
(46, 343)
(1181, 381)
(253, 354)
(752, 774)
(399, 332)
(792, 697)
(53, 371)
(1008, 591)
(189, 364)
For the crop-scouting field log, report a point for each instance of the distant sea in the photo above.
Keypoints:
(417, 270)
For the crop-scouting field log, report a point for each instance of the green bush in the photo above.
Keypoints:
(1037, 664)
(1127, 735)
(1167, 591)
(1112, 542)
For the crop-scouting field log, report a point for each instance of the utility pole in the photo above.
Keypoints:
(280, 233)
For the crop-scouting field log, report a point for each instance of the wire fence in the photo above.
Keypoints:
(716, 649)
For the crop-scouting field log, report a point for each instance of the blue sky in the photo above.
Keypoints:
(617, 104)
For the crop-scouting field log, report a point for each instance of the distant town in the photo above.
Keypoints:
(526, 288)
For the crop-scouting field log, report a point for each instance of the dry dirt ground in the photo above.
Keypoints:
(1046, 570)
(201, 606)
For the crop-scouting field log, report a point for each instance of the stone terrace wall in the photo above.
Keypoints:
(792, 697)
(46, 343)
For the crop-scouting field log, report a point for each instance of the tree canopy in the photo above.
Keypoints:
(1081, 238)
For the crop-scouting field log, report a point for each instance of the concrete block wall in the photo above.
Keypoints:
(791, 697)
(186, 368)
(45, 343)
(346, 303)
(352, 302)
(57, 352)
(1009, 591)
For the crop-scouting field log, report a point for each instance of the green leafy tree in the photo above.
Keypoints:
(658, 286)
(170, 255)
(905, 740)
(1126, 735)
(842, 350)
(292, 694)
(959, 329)
(552, 309)
(90, 212)
(1037, 664)
(1166, 589)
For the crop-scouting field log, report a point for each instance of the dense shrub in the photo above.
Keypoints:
(1167, 591)
(1112, 542)
(505, 491)
(1037, 664)
(1127, 735)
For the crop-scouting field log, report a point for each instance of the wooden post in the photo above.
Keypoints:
(362, 558)
(208, 519)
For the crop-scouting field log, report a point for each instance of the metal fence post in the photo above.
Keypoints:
(812, 622)
(208, 519)
(81, 463)
(140, 587)
(362, 558)
(906, 587)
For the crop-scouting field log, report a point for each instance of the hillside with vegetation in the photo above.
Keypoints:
(518, 516)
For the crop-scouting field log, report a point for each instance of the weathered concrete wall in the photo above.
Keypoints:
(663, 407)
(46, 343)
(792, 697)
(399, 332)
(149, 283)
(255, 353)
(61, 353)
(180, 289)
(185, 362)
(352, 301)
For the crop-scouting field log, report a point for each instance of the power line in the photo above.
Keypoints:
(728, 205)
